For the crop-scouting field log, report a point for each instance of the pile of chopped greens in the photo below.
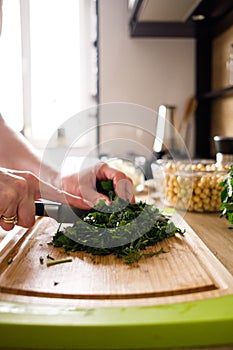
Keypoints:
(227, 196)
(122, 228)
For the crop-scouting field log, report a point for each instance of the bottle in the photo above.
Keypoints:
(164, 141)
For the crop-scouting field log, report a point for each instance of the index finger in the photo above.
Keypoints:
(54, 194)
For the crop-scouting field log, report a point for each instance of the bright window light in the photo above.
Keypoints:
(11, 105)
(55, 64)
(46, 65)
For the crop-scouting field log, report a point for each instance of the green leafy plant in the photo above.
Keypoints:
(117, 229)
(227, 196)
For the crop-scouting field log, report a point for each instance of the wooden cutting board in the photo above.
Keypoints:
(187, 271)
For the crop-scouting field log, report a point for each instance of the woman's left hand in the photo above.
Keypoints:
(83, 184)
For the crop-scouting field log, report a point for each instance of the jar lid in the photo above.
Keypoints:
(223, 144)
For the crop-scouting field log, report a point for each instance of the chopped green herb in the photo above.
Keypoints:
(9, 261)
(60, 261)
(227, 196)
(117, 229)
(106, 187)
(50, 257)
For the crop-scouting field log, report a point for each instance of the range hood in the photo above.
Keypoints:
(166, 10)
(179, 18)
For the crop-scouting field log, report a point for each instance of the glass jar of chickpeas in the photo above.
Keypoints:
(193, 185)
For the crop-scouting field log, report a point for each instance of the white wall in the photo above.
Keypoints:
(142, 71)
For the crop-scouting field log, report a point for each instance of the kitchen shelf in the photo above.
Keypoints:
(218, 17)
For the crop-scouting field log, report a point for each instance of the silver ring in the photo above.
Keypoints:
(10, 220)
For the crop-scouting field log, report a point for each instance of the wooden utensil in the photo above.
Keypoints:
(190, 108)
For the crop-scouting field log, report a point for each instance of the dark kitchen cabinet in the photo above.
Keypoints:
(203, 20)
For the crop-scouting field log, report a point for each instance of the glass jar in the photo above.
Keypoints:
(193, 186)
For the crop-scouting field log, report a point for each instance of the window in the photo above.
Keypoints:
(11, 105)
(47, 73)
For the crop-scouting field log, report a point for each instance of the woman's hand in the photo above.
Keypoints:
(19, 190)
(83, 184)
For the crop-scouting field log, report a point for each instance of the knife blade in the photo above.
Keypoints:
(62, 213)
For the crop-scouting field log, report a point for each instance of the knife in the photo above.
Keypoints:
(62, 213)
(65, 213)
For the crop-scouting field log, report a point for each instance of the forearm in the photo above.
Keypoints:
(17, 153)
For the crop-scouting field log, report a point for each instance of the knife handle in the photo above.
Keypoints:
(40, 210)
(58, 211)
(47, 208)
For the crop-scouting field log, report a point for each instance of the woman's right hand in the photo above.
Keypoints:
(19, 190)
